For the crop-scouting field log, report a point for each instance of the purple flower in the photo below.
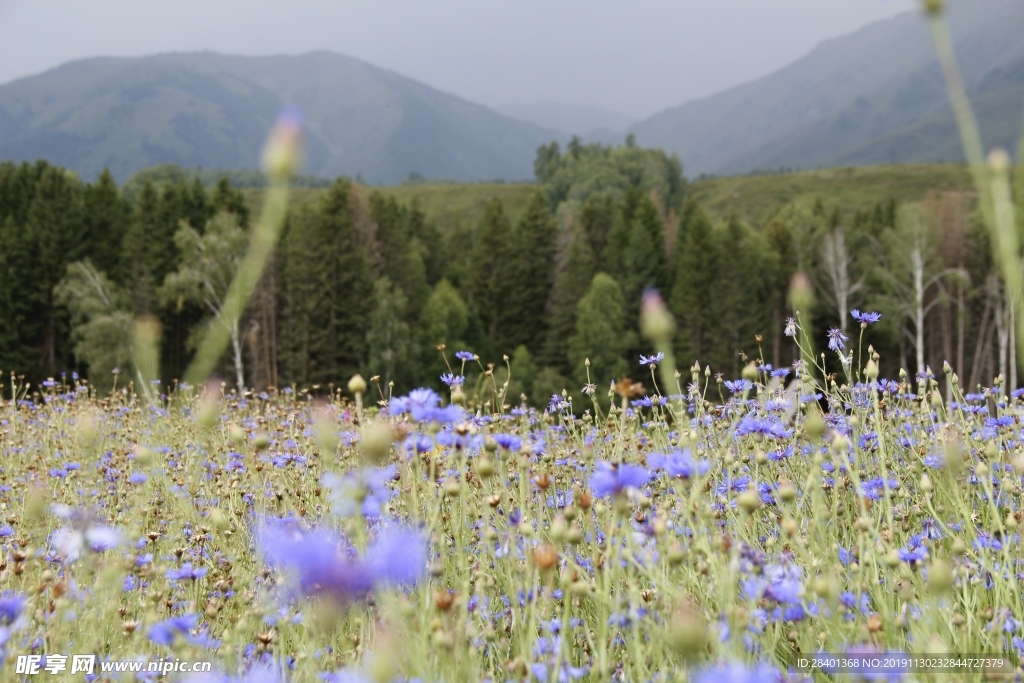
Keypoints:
(186, 571)
(11, 607)
(763, 426)
(364, 491)
(738, 386)
(651, 361)
(317, 559)
(465, 356)
(678, 464)
(557, 403)
(836, 339)
(739, 673)
(452, 380)
(866, 318)
(163, 632)
(260, 673)
(510, 442)
(610, 480)
(790, 330)
(422, 405)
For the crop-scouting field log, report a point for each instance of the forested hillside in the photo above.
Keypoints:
(372, 280)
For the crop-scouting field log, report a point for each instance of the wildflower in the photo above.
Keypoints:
(866, 318)
(186, 571)
(763, 426)
(84, 532)
(836, 339)
(452, 380)
(678, 464)
(365, 491)
(610, 480)
(738, 386)
(652, 361)
(589, 389)
(164, 632)
(398, 556)
(557, 403)
(422, 405)
(465, 356)
(738, 673)
(791, 327)
(781, 372)
(11, 607)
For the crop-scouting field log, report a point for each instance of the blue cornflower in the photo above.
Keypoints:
(364, 491)
(398, 556)
(763, 426)
(510, 442)
(186, 571)
(163, 632)
(557, 403)
(836, 339)
(652, 360)
(11, 607)
(738, 386)
(678, 464)
(866, 318)
(738, 673)
(465, 356)
(781, 372)
(452, 380)
(610, 480)
(422, 406)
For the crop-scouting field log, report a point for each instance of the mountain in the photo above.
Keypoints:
(873, 96)
(571, 119)
(212, 110)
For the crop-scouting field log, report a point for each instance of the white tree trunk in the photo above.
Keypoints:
(236, 345)
(917, 263)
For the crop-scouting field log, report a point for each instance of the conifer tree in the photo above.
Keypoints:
(489, 277)
(533, 255)
(57, 232)
(601, 334)
(227, 198)
(572, 280)
(690, 300)
(326, 292)
(597, 217)
(445, 320)
(106, 216)
(399, 257)
(389, 337)
(138, 268)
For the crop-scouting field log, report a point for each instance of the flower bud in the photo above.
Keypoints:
(801, 292)
(357, 385)
(656, 322)
(750, 372)
(375, 442)
(688, 632)
(282, 154)
(940, 576)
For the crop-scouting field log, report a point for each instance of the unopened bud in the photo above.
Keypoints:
(375, 442)
(940, 576)
(357, 385)
(656, 322)
(282, 154)
(801, 292)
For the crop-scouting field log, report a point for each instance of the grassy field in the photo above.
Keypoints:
(719, 533)
(753, 198)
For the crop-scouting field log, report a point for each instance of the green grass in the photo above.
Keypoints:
(756, 198)
(753, 198)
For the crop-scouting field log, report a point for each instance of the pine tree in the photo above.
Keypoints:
(695, 265)
(106, 216)
(326, 293)
(56, 227)
(572, 280)
(489, 277)
(399, 257)
(227, 198)
(601, 334)
(636, 249)
(137, 263)
(389, 337)
(445, 320)
(533, 253)
(597, 218)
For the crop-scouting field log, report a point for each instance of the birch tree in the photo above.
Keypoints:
(209, 262)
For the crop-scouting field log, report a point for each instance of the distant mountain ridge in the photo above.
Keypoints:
(213, 110)
(873, 96)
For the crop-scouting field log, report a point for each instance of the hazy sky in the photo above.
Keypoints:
(631, 56)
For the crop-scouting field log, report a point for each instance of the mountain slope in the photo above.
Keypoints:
(855, 99)
(212, 110)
